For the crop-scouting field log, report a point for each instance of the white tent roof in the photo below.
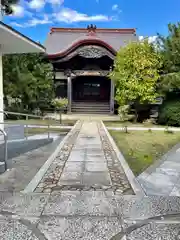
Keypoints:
(12, 41)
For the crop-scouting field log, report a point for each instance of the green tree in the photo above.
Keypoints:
(135, 73)
(170, 50)
(5, 6)
(28, 77)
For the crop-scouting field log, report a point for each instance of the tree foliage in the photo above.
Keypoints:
(136, 72)
(6, 6)
(29, 78)
(170, 50)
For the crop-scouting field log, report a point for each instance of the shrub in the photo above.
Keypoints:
(123, 112)
(149, 122)
(170, 113)
(60, 103)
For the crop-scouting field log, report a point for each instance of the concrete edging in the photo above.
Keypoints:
(143, 128)
(138, 190)
(39, 175)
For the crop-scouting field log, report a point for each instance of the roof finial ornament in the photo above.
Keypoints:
(91, 29)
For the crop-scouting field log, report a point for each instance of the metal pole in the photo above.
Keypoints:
(26, 130)
(5, 151)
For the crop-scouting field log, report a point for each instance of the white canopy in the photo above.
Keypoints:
(12, 41)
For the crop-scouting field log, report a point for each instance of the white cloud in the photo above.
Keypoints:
(141, 38)
(33, 22)
(37, 4)
(56, 2)
(17, 24)
(68, 15)
(115, 7)
(151, 39)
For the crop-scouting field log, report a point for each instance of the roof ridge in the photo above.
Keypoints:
(113, 30)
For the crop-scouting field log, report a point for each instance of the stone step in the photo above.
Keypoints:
(91, 107)
(91, 111)
(91, 104)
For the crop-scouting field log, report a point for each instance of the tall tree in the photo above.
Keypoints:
(170, 50)
(28, 77)
(136, 72)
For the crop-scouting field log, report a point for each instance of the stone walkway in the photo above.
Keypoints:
(81, 197)
(163, 178)
(86, 162)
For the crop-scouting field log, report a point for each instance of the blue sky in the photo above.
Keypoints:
(35, 17)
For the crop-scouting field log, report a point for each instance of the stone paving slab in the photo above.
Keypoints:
(147, 207)
(88, 215)
(13, 230)
(101, 179)
(88, 228)
(156, 231)
(90, 203)
(24, 204)
(96, 167)
(163, 177)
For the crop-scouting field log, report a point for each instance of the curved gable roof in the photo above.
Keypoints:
(80, 42)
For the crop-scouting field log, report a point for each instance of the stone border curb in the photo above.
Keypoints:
(143, 128)
(129, 174)
(39, 175)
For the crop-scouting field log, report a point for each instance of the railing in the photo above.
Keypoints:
(26, 124)
(25, 129)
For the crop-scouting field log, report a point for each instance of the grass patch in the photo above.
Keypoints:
(33, 131)
(67, 122)
(129, 124)
(143, 148)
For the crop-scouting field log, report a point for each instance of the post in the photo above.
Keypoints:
(26, 130)
(60, 117)
(48, 129)
(112, 98)
(69, 93)
(1, 93)
(5, 151)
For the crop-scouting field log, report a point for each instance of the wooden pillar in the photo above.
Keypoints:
(112, 98)
(69, 93)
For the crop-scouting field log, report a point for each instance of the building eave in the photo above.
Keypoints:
(10, 37)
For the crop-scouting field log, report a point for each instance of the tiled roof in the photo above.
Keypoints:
(61, 39)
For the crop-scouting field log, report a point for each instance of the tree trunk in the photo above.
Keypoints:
(136, 115)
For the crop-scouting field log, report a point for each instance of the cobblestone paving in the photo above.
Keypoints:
(119, 180)
(52, 176)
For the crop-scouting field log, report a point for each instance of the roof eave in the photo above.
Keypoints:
(17, 34)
